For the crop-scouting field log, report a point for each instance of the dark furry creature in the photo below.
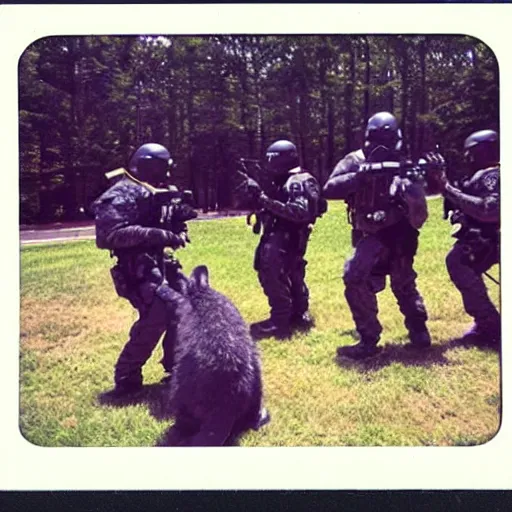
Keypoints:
(215, 390)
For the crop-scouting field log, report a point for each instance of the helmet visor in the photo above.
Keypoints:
(155, 171)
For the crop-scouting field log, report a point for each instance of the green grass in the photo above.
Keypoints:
(73, 327)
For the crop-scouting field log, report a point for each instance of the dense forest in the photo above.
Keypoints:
(85, 103)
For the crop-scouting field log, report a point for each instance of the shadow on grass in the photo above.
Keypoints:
(389, 354)
(408, 355)
(152, 395)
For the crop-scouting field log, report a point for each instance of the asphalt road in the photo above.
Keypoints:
(61, 232)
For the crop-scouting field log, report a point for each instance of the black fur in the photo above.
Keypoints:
(215, 391)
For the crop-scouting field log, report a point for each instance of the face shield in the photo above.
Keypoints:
(156, 171)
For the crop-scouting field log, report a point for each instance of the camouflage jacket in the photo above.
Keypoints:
(378, 202)
(297, 203)
(478, 199)
(126, 219)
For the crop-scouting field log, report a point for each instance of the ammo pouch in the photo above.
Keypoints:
(136, 276)
(479, 250)
(401, 239)
(120, 282)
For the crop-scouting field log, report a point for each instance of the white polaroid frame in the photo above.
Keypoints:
(28, 467)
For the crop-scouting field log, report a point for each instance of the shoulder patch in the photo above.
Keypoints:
(491, 181)
(294, 189)
(312, 188)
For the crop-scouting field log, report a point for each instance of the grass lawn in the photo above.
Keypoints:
(73, 327)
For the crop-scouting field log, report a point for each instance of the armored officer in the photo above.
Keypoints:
(386, 210)
(286, 212)
(475, 210)
(129, 223)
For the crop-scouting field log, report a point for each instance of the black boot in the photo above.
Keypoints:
(488, 336)
(419, 339)
(302, 322)
(268, 328)
(362, 350)
(123, 389)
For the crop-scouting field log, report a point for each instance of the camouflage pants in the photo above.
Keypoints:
(157, 317)
(467, 277)
(360, 290)
(281, 272)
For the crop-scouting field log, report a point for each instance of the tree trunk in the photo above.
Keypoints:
(191, 124)
(390, 93)
(349, 97)
(367, 82)
(404, 71)
(423, 94)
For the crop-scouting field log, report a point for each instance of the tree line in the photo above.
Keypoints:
(86, 103)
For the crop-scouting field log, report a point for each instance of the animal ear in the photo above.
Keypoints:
(200, 276)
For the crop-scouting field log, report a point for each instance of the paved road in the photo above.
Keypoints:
(61, 232)
(38, 236)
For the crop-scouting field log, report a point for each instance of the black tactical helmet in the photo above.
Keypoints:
(151, 163)
(382, 131)
(481, 149)
(281, 156)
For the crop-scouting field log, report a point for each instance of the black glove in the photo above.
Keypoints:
(175, 241)
(435, 160)
(253, 188)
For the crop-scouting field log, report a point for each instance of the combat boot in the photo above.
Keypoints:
(268, 328)
(480, 336)
(122, 390)
(419, 339)
(302, 322)
(363, 350)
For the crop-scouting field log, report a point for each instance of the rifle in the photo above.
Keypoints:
(416, 171)
(175, 208)
(249, 177)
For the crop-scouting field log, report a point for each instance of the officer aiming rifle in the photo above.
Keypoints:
(473, 206)
(385, 194)
(286, 207)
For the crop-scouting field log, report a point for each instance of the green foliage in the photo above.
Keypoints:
(73, 327)
(87, 102)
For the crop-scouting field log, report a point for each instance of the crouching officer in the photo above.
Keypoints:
(286, 213)
(129, 223)
(475, 208)
(387, 210)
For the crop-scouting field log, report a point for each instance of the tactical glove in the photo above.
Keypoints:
(175, 241)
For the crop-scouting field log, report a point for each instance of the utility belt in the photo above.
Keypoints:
(137, 274)
(481, 244)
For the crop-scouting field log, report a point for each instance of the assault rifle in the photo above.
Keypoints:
(250, 172)
(175, 208)
(417, 171)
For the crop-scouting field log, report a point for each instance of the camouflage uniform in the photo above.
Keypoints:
(279, 259)
(476, 209)
(386, 241)
(126, 224)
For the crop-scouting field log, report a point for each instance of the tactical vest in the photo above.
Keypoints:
(373, 206)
